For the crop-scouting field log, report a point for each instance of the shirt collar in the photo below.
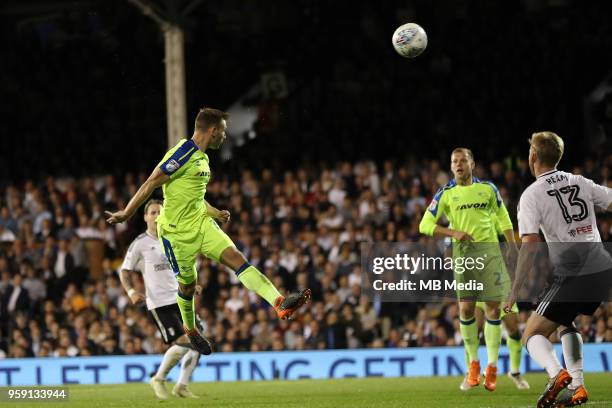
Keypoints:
(548, 172)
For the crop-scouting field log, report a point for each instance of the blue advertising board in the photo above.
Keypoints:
(436, 361)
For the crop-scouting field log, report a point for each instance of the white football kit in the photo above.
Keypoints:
(146, 256)
(563, 205)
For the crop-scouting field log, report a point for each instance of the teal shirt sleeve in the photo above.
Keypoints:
(175, 159)
(432, 214)
(503, 218)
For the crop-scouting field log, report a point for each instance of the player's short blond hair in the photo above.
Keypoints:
(465, 151)
(548, 147)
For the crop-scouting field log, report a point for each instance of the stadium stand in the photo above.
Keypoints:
(60, 292)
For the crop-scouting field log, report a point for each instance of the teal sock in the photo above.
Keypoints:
(469, 333)
(515, 349)
(257, 282)
(186, 305)
(492, 333)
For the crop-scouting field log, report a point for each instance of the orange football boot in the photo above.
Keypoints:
(572, 398)
(474, 374)
(490, 382)
(553, 388)
(286, 306)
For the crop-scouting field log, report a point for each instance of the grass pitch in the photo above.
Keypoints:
(368, 392)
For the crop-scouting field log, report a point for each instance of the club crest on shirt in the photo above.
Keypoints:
(172, 166)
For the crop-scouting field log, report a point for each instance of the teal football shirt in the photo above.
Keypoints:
(189, 172)
(475, 209)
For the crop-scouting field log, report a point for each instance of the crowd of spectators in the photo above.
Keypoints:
(302, 228)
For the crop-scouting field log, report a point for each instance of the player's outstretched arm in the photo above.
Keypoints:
(155, 180)
(525, 261)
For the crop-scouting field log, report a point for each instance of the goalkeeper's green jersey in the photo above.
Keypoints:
(184, 205)
(475, 209)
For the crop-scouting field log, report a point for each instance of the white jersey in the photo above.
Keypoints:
(146, 255)
(563, 205)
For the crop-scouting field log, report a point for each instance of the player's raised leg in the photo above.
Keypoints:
(217, 245)
(469, 333)
(257, 282)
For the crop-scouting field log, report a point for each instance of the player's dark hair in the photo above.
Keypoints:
(548, 147)
(208, 117)
(464, 150)
(150, 203)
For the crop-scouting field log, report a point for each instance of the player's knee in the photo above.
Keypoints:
(524, 339)
(563, 330)
(529, 333)
(187, 289)
(233, 258)
(493, 314)
(526, 335)
(511, 322)
(466, 311)
(466, 314)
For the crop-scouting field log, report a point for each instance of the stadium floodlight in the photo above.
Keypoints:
(174, 60)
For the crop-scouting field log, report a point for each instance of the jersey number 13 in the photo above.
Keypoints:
(573, 200)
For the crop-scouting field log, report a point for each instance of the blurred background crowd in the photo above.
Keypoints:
(302, 228)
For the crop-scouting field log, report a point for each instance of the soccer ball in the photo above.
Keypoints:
(409, 40)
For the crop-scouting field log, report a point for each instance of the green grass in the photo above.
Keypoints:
(369, 392)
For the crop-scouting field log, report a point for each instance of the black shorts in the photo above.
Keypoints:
(169, 322)
(567, 297)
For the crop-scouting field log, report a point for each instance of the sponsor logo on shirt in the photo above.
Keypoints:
(161, 267)
(585, 229)
(471, 205)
